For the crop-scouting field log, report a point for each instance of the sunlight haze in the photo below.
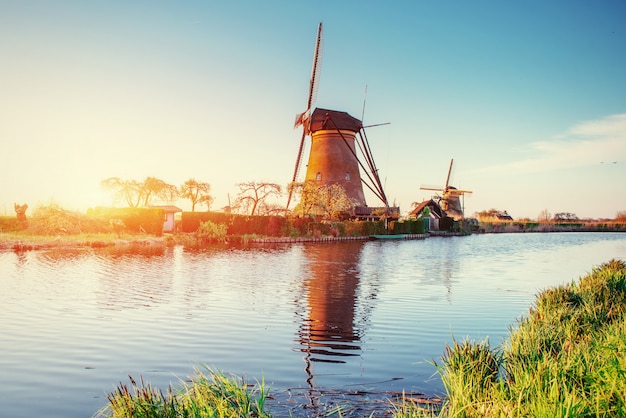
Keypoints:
(528, 98)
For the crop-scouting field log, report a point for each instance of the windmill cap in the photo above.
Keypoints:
(325, 119)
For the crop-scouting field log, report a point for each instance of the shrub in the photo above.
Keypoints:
(9, 224)
(371, 227)
(215, 395)
(211, 232)
(53, 220)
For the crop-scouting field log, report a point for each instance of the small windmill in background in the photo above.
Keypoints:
(450, 199)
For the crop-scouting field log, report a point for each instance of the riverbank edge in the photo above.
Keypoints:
(20, 243)
(40, 243)
(35, 243)
(295, 240)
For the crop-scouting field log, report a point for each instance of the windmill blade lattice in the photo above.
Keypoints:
(304, 118)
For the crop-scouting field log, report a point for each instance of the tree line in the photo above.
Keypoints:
(544, 216)
(326, 201)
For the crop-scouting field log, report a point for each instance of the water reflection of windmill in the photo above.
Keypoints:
(337, 140)
(331, 332)
(450, 200)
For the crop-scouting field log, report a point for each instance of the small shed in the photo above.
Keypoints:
(436, 213)
(169, 221)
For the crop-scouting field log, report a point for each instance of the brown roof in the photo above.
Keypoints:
(322, 119)
(167, 208)
(434, 207)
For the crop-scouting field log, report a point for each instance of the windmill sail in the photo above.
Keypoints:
(304, 117)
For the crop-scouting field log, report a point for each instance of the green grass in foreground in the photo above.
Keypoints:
(211, 394)
(567, 358)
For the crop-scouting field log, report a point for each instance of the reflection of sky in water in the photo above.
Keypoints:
(358, 315)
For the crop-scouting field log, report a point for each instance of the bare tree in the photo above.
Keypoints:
(159, 190)
(274, 209)
(252, 196)
(126, 190)
(307, 191)
(136, 193)
(544, 216)
(197, 192)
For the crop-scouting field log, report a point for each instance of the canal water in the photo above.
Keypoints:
(310, 319)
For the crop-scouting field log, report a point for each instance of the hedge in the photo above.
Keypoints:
(410, 226)
(276, 226)
(236, 224)
(147, 220)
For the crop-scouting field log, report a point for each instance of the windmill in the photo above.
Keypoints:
(336, 140)
(450, 201)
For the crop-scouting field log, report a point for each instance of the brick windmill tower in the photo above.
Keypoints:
(337, 140)
(332, 159)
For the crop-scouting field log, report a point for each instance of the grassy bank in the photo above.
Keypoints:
(208, 394)
(52, 227)
(566, 358)
(532, 226)
(25, 241)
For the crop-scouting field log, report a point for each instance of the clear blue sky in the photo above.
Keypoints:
(529, 98)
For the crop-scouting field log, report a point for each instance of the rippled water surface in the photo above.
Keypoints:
(342, 316)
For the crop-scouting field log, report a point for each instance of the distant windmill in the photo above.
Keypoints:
(450, 201)
(336, 137)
